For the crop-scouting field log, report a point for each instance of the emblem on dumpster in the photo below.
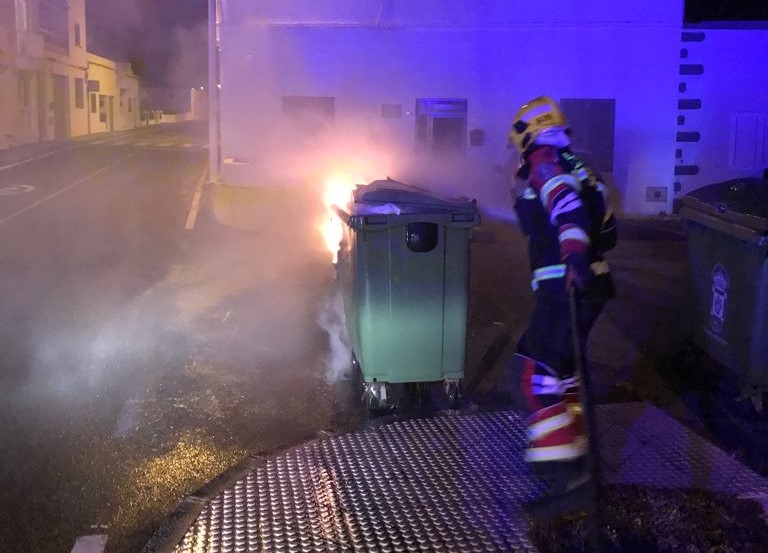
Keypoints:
(719, 310)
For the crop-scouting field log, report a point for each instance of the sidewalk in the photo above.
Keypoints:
(451, 483)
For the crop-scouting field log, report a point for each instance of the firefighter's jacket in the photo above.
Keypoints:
(563, 212)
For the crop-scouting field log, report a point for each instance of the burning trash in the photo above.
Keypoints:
(403, 270)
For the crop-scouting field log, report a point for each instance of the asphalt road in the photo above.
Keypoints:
(145, 345)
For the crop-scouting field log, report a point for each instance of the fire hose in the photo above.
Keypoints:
(594, 514)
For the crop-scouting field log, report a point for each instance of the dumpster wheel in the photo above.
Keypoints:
(453, 392)
(376, 396)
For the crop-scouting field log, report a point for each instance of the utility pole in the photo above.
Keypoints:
(214, 123)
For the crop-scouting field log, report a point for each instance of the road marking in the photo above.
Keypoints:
(4, 167)
(16, 189)
(192, 216)
(95, 543)
(62, 190)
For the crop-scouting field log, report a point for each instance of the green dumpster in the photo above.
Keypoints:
(728, 260)
(403, 269)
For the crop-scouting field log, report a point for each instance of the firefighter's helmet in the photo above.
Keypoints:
(538, 115)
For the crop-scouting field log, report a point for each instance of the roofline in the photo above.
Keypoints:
(734, 25)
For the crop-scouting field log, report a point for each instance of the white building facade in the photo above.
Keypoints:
(428, 89)
(723, 113)
(45, 72)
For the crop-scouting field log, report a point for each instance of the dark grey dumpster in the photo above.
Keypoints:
(404, 274)
(728, 260)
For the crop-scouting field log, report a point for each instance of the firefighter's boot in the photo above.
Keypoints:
(568, 488)
(556, 447)
(552, 432)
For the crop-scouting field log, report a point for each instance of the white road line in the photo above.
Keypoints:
(95, 543)
(192, 216)
(4, 167)
(62, 190)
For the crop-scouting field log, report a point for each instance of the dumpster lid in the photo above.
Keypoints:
(408, 199)
(741, 201)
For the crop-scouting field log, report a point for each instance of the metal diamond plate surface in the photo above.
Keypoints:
(452, 483)
(444, 484)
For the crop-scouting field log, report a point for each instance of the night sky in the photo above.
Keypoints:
(726, 10)
(166, 40)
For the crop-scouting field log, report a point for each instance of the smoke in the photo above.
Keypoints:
(188, 66)
(331, 318)
(114, 25)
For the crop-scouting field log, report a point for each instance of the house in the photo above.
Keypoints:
(48, 79)
(425, 91)
(722, 121)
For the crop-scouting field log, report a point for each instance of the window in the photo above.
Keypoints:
(93, 103)
(53, 18)
(102, 108)
(130, 105)
(441, 125)
(593, 123)
(24, 83)
(77, 35)
(79, 93)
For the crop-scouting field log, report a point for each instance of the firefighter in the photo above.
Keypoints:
(561, 208)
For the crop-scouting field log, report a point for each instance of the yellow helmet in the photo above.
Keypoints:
(532, 119)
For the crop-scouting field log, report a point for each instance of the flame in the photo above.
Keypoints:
(338, 192)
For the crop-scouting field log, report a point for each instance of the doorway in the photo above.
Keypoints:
(60, 107)
(441, 125)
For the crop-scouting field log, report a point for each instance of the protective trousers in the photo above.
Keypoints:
(545, 386)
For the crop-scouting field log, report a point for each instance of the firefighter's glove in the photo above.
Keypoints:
(579, 275)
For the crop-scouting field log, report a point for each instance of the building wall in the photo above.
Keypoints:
(103, 94)
(7, 91)
(44, 68)
(723, 133)
(168, 99)
(129, 109)
(494, 54)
